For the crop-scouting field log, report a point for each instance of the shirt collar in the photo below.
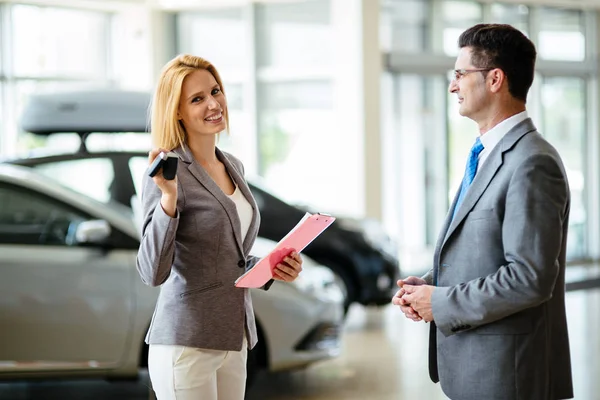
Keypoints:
(491, 138)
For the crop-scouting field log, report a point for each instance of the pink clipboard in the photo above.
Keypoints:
(309, 227)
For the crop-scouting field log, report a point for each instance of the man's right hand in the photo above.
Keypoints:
(405, 307)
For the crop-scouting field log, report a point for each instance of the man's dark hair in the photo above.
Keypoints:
(502, 46)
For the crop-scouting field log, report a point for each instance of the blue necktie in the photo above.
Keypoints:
(470, 172)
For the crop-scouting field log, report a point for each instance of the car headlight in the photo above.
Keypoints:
(318, 281)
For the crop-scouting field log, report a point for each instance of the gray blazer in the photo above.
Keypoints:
(500, 330)
(196, 258)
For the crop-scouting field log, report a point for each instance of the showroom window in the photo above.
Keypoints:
(560, 102)
(44, 50)
(516, 15)
(279, 87)
(405, 26)
(458, 16)
(233, 58)
(564, 125)
(294, 34)
(562, 35)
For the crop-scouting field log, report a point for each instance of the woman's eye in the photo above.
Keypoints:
(216, 91)
(196, 99)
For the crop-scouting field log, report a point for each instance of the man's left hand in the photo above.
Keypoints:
(419, 298)
(289, 269)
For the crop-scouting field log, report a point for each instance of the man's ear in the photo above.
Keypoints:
(497, 79)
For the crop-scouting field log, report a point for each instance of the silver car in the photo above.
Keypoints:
(72, 303)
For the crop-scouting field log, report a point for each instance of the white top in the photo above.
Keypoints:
(244, 210)
(491, 138)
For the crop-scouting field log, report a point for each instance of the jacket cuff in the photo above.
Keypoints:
(441, 314)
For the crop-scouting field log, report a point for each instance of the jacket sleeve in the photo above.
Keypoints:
(157, 246)
(536, 210)
(428, 277)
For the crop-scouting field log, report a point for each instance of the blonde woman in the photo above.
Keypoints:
(197, 234)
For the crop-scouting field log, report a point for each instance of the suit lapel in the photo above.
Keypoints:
(243, 187)
(483, 178)
(211, 186)
(480, 183)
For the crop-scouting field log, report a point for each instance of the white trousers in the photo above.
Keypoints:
(189, 373)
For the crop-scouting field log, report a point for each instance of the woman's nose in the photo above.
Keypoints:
(212, 103)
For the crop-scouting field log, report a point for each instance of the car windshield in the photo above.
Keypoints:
(69, 143)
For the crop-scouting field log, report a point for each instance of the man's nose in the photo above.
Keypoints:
(453, 87)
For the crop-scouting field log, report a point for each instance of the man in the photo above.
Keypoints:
(496, 294)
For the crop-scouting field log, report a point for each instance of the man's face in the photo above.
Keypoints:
(469, 87)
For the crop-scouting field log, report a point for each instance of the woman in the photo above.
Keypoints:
(197, 234)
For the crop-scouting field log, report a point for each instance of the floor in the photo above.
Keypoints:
(384, 357)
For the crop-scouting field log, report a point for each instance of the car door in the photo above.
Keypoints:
(62, 305)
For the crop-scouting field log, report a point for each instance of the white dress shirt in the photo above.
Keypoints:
(491, 138)
(244, 210)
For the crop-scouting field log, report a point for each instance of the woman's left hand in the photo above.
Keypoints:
(289, 268)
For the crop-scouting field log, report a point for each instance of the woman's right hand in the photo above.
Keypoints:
(168, 188)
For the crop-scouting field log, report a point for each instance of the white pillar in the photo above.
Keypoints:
(357, 75)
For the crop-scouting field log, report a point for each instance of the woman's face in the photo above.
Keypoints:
(202, 105)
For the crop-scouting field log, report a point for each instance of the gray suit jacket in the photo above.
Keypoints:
(500, 329)
(196, 258)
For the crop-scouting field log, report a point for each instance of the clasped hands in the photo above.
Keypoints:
(414, 299)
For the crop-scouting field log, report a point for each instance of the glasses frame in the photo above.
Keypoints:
(465, 71)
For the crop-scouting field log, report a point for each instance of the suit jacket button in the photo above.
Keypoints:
(241, 263)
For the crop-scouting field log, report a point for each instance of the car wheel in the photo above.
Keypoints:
(252, 368)
(347, 287)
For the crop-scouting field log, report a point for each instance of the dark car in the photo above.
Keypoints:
(358, 251)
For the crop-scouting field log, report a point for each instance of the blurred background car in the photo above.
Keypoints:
(358, 251)
(72, 303)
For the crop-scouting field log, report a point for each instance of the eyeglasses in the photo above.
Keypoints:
(457, 74)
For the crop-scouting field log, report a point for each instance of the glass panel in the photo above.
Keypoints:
(462, 133)
(217, 35)
(564, 126)
(92, 177)
(138, 167)
(295, 120)
(4, 139)
(27, 218)
(121, 141)
(414, 161)
(294, 34)
(59, 42)
(561, 35)
(515, 15)
(240, 140)
(405, 25)
(458, 16)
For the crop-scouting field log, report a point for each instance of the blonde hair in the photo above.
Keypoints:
(167, 131)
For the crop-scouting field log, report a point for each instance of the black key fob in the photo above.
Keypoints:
(165, 161)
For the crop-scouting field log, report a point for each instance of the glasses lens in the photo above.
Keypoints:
(452, 75)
